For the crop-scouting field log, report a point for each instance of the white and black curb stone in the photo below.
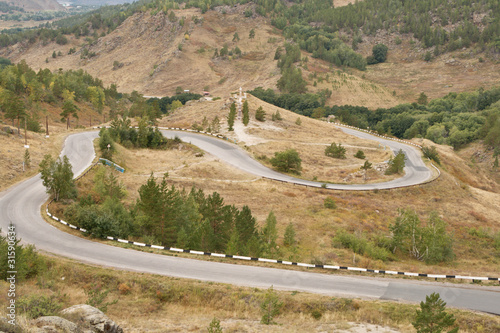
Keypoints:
(283, 262)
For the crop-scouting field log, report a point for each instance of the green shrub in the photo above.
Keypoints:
(360, 154)
(260, 114)
(431, 153)
(287, 161)
(360, 245)
(96, 297)
(329, 203)
(316, 314)
(335, 151)
(396, 164)
(35, 306)
(28, 263)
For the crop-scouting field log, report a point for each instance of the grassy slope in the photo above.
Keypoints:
(12, 146)
(149, 303)
(166, 68)
(464, 196)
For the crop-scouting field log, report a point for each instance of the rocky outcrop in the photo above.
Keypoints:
(81, 318)
(55, 324)
(98, 321)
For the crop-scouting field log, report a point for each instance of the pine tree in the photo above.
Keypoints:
(270, 307)
(335, 151)
(245, 225)
(233, 244)
(13, 107)
(246, 116)
(396, 164)
(432, 317)
(251, 35)
(69, 109)
(367, 166)
(260, 114)
(231, 117)
(270, 235)
(289, 236)
(214, 326)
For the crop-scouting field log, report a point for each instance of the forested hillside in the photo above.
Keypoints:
(320, 28)
(456, 119)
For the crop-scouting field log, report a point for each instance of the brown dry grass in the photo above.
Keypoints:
(406, 73)
(149, 303)
(12, 145)
(310, 139)
(367, 213)
(165, 67)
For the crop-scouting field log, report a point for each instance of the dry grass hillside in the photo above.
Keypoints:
(12, 148)
(466, 195)
(144, 54)
(310, 138)
(147, 48)
(407, 74)
(152, 55)
(148, 303)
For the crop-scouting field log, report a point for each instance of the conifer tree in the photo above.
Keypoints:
(246, 116)
(231, 117)
(432, 317)
(270, 234)
(270, 307)
(289, 237)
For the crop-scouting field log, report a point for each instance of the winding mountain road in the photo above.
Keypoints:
(21, 206)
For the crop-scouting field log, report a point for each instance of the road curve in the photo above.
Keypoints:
(21, 205)
(416, 172)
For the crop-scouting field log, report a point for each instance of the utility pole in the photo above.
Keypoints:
(90, 120)
(46, 126)
(67, 123)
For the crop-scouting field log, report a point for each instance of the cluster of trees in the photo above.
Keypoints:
(144, 136)
(324, 45)
(22, 90)
(429, 242)
(57, 177)
(166, 215)
(166, 104)
(291, 80)
(26, 260)
(424, 19)
(303, 104)
(456, 119)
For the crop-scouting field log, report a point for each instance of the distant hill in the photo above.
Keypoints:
(98, 2)
(36, 5)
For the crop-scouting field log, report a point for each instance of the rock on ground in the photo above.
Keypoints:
(96, 318)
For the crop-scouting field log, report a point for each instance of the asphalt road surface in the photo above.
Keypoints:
(21, 205)
(416, 172)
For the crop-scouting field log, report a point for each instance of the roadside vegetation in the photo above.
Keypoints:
(143, 302)
(456, 119)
